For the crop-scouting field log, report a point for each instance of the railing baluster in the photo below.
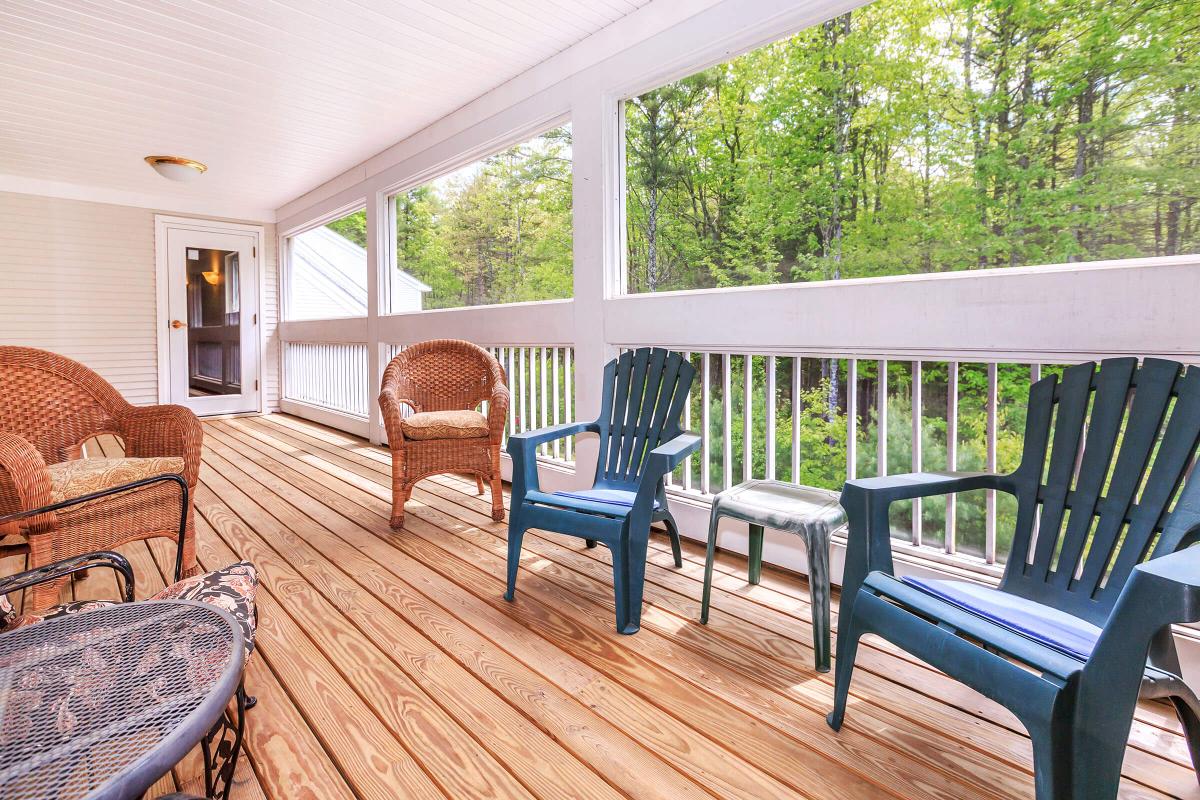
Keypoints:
(747, 417)
(769, 436)
(557, 395)
(851, 419)
(797, 416)
(687, 426)
(952, 454)
(917, 453)
(706, 427)
(881, 419)
(989, 546)
(522, 413)
(569, 381)
(727, 422)
(545, 420)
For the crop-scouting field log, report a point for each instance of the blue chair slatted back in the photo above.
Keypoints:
(644, 395)
(1099, 486)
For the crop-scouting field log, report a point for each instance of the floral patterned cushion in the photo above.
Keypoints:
(8, 613)
(82, 476)
(232, 588)
(445, 425)
(61, 610)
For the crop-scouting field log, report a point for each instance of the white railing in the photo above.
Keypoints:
(328, 376)
(541, 381)
(821, 420)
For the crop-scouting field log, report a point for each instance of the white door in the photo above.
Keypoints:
(212, 319)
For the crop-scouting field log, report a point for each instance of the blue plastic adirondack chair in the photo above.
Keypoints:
(641, 442)
(1099, 570)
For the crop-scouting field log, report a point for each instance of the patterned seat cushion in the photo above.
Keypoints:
(445, 425)
(82, 476)
(232, 588)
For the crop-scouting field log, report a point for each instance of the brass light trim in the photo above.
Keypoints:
(180, 160)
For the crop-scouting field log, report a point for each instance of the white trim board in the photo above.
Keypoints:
(19, 184)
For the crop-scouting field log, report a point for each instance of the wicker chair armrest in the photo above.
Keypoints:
(498, 410)
(24, 479)
(151, 431)
(390, 404)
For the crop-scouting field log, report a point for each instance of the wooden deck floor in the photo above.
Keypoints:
(389, 665)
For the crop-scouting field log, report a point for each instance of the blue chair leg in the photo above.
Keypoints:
(847, 648)
(1051, 765)
(629, 579)
(590, 543)
(515, 535)
(673, 532)
(1190, 721)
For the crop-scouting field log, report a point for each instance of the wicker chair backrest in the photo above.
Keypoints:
(443, 375)
(54, 403)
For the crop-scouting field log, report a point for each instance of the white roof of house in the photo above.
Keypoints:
(329, 276)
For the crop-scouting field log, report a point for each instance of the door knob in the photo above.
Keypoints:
(177, 324)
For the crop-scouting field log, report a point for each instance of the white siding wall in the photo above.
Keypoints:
(77, 278)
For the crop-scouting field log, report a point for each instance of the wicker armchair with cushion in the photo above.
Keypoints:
(50, 407)
(443, 382)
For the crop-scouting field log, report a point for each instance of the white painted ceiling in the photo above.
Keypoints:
(276, 96)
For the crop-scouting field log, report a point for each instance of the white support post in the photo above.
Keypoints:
(379, 250)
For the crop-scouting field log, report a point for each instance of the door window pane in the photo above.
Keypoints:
(213, 322)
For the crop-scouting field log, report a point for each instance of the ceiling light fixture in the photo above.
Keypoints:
(175, 168)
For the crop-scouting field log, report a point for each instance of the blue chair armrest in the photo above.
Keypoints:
(929, 484)
(531, 439)
(522, 448)
(867, 502)
(660, 461)
(666, 457)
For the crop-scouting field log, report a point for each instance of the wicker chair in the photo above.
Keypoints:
(50, 407)
(443, 381)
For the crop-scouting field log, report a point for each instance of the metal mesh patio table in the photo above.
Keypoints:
(100, 704)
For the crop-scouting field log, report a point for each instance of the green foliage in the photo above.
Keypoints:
(498, 231)
(921, 136)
